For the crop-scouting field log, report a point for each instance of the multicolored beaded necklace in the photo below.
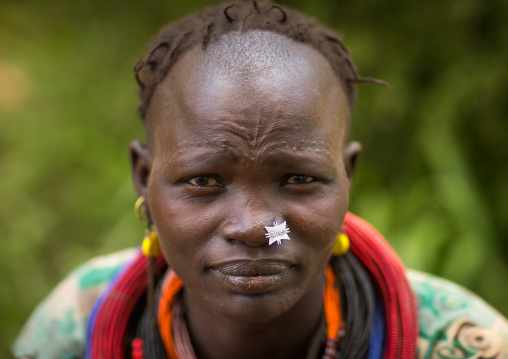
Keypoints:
(177, 345)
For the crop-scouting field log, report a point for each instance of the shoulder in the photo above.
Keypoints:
(455, 323)
(56, 328)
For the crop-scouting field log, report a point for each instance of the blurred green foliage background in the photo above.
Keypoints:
(433, 177)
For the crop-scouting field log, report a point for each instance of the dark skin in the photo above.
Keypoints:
(236, 141)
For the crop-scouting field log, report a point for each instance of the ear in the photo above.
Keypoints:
(351, 154)
(141, 165)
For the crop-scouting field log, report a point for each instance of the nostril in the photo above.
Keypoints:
(230, 240)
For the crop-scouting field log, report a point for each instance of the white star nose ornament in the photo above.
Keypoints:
(277, 233)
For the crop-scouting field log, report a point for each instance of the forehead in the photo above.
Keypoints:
(256, 83)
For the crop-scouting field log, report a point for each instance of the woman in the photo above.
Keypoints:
(244, 185)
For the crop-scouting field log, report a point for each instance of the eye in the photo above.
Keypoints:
(204, 181)
(299, 179)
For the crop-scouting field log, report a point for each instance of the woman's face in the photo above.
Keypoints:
(241, 136)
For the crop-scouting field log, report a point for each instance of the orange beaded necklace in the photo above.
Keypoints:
(172, 286)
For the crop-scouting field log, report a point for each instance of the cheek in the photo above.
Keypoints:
(184, 229)
(320, 219)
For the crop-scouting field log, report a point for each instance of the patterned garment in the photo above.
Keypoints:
(454, 323)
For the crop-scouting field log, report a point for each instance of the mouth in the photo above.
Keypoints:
(252, 277)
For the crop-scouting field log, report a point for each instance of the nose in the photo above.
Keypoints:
(248, 216)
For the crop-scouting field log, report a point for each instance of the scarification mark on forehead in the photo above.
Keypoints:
(231, 151)
(296, 146)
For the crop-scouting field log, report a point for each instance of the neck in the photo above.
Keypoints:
(289, 335)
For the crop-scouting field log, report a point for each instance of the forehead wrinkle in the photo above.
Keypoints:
(244, 143)
(253, 133)
(249, 133)
(213, 149)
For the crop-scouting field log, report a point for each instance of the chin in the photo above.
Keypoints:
(255, 308)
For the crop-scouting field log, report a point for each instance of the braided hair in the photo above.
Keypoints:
(208, 25)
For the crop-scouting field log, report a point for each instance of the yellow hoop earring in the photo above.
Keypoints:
(341, 245)
(138, 208)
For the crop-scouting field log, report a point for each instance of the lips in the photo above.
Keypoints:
(252, 277)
